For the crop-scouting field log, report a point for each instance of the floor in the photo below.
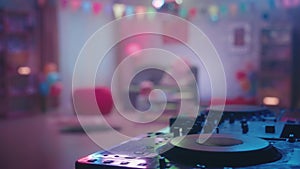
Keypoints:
(55, 141)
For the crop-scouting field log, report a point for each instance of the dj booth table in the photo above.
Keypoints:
(46, 141)
(56, 142)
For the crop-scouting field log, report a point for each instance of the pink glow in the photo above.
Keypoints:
(97, 7)
(132, 48)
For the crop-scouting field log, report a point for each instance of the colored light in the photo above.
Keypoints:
(179, 1)
(24, 70)
(193, 12)
(213, 10)
(296, 2)
(214, 18)
(243, 7)
(86, 6)
(108, 9)
(287, 3)
(132, 48)
(75, 4)
(158, 3)
(151, 12)
(97, 7)
(64, 3)
(183, 12)
(140, 10)
(272, 4)
(118, 9)
(129, 10)
(223, 9)
(233, 9)
(271, 101)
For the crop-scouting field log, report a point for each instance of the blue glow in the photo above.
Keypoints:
(129, 10)
(86, 6)
(214, 18)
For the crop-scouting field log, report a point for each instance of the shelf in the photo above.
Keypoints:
(19, 93)
(275, 63)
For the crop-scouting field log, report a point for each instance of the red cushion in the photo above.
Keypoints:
(104, 99)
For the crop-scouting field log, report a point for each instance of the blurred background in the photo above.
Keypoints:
(40, 40)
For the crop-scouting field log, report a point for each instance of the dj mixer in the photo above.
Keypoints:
(246, 137)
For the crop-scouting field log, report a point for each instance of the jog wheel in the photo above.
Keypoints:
(219, 150)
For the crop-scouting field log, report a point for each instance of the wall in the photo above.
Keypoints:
(234, 59)
(74, 30)
(75, 27)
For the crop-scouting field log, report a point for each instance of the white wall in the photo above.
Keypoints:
(75, 27)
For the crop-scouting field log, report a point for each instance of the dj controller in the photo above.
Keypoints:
(245, 137)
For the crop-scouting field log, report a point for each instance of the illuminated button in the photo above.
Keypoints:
(142, 164)
(108, 161)
(124, 163)
(129, 157)
(92, 160)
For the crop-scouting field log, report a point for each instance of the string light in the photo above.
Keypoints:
(75, 4)
(151, 13)
(158, 3)
(179, 1)
(192, 12)
(183, 12)
(140, 11)
(86, 6)
(97, 7)
(214, 11)
(118, 10)
(129, 10)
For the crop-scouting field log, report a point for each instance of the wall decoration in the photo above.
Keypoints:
(192, 12)
(158, 3)
(140, 10)
(243, 8)
(86, 6)
(223, 10)
(97, 8)
(118, 10)
(151, 13)
(247, 80)
(215, 12)
(75, 5)
(129, 10)
(240, 37)
(233, 9)
(183, 12)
